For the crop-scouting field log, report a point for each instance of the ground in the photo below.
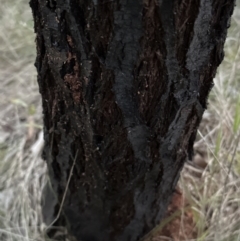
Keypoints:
(206, 204)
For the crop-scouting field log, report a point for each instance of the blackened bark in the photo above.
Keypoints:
(124, 86)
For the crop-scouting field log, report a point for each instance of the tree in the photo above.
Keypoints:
(124, 85)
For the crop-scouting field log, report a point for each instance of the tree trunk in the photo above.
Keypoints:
(124, 85)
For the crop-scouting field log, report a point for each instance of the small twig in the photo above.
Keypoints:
(65, 192)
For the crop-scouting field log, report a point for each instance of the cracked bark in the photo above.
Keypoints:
(124, 85)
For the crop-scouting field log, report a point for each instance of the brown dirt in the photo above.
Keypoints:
(179, 223)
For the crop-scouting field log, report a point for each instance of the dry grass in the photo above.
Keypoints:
(22, 172)
(213, 191)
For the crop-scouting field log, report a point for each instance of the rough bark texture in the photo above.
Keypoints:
(124, 85)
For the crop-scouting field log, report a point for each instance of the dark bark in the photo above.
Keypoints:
(124, 86)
